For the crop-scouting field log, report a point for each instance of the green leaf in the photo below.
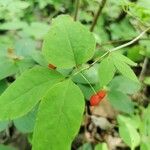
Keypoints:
(68, 43)
(25, 64)
(86, 146)
(87, 91)
(125, 70)
(145, 145)
(134, 53)
(8, 67)
(145, 124)
(106, 71)
(3, 86)
(118, 56)
(123, 30)
(102, 146)
(121, 102)
(22, 95)
(26, 123)
(91, 75)
(134, 120)
(39, 58)
(147, 80)
(128, 133)
(37, 30)
(14, 25)
(3, 125)
(125, 85)
(3, 147)
(59, 117)
(25, 47)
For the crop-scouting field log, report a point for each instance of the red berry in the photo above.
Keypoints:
(94, 100)
(101, 94)
(50, 66)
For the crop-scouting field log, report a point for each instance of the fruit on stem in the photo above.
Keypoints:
(97, 98)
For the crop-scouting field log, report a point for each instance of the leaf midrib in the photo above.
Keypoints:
(61, 112)
(27, 91)
(70, 43)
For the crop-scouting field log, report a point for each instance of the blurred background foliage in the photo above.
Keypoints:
(23, 25)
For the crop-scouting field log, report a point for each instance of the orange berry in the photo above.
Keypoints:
(94, 100)
(101, 94)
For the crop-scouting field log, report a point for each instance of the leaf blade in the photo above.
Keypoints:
(64, 105)
(128, 132)
(68, 43)
(121, 102)
(124, 59)
(125, 70)
(26, 91)
(106, 71)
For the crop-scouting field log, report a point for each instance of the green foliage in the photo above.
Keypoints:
(135, 54)
(86, 146)
(3, 125)
(12, 9)
(145, 125)
(36, 30)
(3, 147)
(125, 30)
(90, 74)
(76, 43)
(8, 67)
(3, 86)
(26, 123)
(87, 91)
(147, 80)
(121, 58)
(30, 86)
(106, 76)
(20, 58)
(134, 129)
(145, 48)
(123, 67)
(145, 129)
(128, 132)
(124, 85)
(63, 105)
(140, 10)
(48, 104)
(102, 146)
(120, 101)
(14, 25)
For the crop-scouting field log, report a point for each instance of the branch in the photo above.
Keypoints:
(114, 49)
(119, 41)
(144, 67)
(76, 9)
(88, 82)
(131, 42)
(101, 6)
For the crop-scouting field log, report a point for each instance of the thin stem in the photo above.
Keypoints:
(88, 82)
(101, 6)
(98, 59)
(120, 41)
(114, 49)
(76, 9)
(144, 67)
(133, 16)
(132, 148)
(131, 42)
